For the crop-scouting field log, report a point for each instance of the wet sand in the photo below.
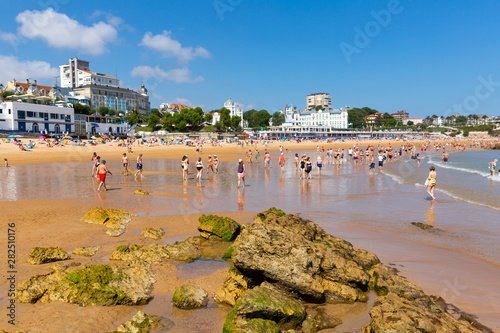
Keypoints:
(373, 212)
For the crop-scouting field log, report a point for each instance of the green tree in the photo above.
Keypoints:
(225, 118)
(208, 118)
(134, 117)
(153, 120)
(235, 123)
(319, 107)
(112, 112)
(461, 120)
(356, 116)
(6, 94)
(410, 123)
(278, 118)
(156, 112)
(168, 121)
(103, 110)
(81, 109)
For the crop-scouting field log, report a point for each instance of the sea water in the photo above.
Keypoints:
(465, 177)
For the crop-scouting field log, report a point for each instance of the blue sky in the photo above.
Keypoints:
(425, 57)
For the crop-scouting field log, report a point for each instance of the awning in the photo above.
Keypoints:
(94, 124)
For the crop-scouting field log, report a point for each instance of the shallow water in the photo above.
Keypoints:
(345, 201)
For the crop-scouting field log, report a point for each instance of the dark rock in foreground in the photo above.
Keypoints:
(280, 260)
(219, 227)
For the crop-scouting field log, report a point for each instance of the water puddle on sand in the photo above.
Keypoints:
(354, 316)
(200, 267)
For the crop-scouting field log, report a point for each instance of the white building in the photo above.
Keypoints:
(333, 118)
(20, 116)
(77, 74)
(97, 125)
(415, 121)
(235, 109)
(319, 99)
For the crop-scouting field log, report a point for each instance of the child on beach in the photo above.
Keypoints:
(6, 162)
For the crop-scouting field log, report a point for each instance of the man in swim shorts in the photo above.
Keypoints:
(102, 170)
(125, 163)
(139, 165)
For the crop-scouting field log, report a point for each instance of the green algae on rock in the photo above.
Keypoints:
(139, 323)
(88, 251)
(153, 233)
(114, 219)
(142, 192)
(43, 255)
(219, 227)
(189, 297)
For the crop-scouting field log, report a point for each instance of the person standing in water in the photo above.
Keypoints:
(210, 164)
(216, 164)
(199, 168)
(125, 163)
(282, 162)
(241, 172)
(139, 165)
(6, 163)
(185, 167)
(319, 164)
(102, 170)
(431, 184)
(94, 166)
(492, 166)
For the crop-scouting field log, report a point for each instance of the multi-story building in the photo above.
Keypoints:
(332, 118)
(235, 109)
(36, 116)
(319, 99)
(30, 88)
(102, 89)
(371, 118)
(171, 108)
(400, 116)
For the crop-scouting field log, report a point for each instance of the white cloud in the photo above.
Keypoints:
(179, 75)
(172, 48)
(8, 37)
(60, 31)
(12, 68)
(115, 21)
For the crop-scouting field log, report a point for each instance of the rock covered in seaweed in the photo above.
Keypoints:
(43, 255)
(139, 323)
(114, 219)
(153, 233)
(218, 227)
(88, 251)
(189, 297)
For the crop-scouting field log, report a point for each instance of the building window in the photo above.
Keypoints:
(53, 116)
(21, 114)
(30, 114)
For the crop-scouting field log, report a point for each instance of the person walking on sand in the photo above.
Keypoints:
(282, 162)
(139, 165)
(431, 182)
(6, 163)
(308, 168)
(267, 160)
(303, 167)
(380, 161)
(94, 166)
(199, 168)
(102, 170)
(256, 155)
(296, 160)
(417, 158)
(241, 173)
(372, 164)
(125, 163)
(185, 167)
(492, 166)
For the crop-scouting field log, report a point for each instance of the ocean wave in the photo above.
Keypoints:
(448, 166)
(397, 179)
(466, 200)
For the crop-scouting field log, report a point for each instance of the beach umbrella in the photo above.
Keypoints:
(15, 136)
(93, 137)
(99, 139)
(42, 137)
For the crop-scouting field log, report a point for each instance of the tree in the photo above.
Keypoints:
(319, 107)
(103, 110)
(6, 94)
(156, 112)
(153, 120)
(356, 116)
(208, 117)
(81, 109)
(235, 123)
(168, 121)
(112, 112)
(225, 118)
(410, 123)
(278, 118)
(134, 117)
(461, 120)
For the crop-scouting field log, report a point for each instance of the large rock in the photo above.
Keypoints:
(140, 322)
(300, 257)
(404, 307)
(120, 284)
(218, 227)
(88, 251)
(189, 297)
(154, 253)
(235, 284)
(272, 309)
(42, 255)
(114, 219)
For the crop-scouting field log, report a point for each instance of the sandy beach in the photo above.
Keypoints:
(47, 190)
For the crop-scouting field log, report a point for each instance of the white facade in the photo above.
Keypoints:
(333, 118)
(319, 99)
(235, 109)
(38, 118)
(414, 120)
(215, 118)
(77, 74)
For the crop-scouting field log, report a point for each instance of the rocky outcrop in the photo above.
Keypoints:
(284, 259)
(263, 309)
(88, 251)
(153, 233)
(212, 226)
(155, 253)
(43, 255)
(114, 219)
(189, 297)
(120, 284)
(300, 257)
(142, 192)
(139, 323)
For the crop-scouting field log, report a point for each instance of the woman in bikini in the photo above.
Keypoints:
(432, 182)
(241, 172)
(199, 168)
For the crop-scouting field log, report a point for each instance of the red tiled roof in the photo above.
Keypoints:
(39, 87)
(96, 73)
